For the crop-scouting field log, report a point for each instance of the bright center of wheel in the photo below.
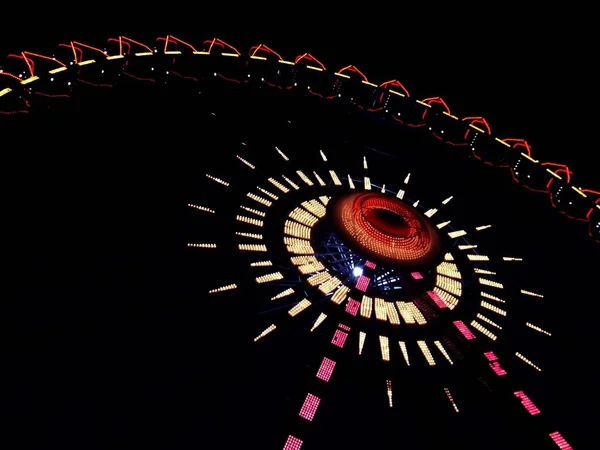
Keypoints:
(386, 229)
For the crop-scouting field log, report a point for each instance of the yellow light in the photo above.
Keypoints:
(502, 142)
(298, 308)
(288, 291)
(249, 235)
(449, 115)
(368, 83)
(318, 69)
(144, 54)
(342, 75)
(262, 58)
(265, 332)
(397, 93)
(57, 70)
(361, 341)
(476, 128)
(86, 63)
(283, 155)
(423, 103)
(30, 80)
(269, 277)
(110, 58)
(289, 63)
(529, 157)
(319, 321)
(228, 287)
(5, 91)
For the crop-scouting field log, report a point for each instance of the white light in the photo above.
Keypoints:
(357, 271)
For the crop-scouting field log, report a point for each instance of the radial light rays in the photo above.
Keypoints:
(305, 277)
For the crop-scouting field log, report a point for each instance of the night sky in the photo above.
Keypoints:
(109, 342)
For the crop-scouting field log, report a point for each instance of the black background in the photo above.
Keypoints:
(112, 235)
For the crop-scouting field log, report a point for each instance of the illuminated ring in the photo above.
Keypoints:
(393, 102)
(387, 230)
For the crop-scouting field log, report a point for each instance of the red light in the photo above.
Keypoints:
(224, 46)
(363, 283)
(527, 403)
(309, 408)
(353, 69)
(491, 356)
(386, 228)
(560, 441)
(468, 334)
(370, 265)
(263, 48)
(395, 84)
(326, 369)
(310, 59)
(479, 122)
(352, 306)
(437, 299)
(339, 338)
(519, 144)
(497, 369)
(292, 443)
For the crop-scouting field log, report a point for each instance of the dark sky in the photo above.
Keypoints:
(529, 77)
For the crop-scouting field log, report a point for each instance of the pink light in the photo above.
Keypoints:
(292, 443)
(343, 327)
(363, 283)
(560, 441)
(468, 334)
(437, 299)
(309, 407)
(326, 369)
(352, 306)
(339, 338)
(416, 275)
(527, 403)
(491, 356)
(370, 265)
(497, 369)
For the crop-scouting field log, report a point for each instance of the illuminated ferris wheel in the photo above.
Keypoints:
(347, 240)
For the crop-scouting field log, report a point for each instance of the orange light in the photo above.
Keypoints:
(558, 168)
(474, 121)
(351, 69)
(174, 41)
(518, 143)
(8, 74)
(263, 48)
(437, 100)
(310, 58)
(89, 47)
(220, 43)
(395, 83)
(127, 41)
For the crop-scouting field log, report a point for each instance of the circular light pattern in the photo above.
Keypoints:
(453, 308)
(387, 230)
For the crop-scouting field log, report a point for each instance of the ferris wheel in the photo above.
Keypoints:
(336, 237)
